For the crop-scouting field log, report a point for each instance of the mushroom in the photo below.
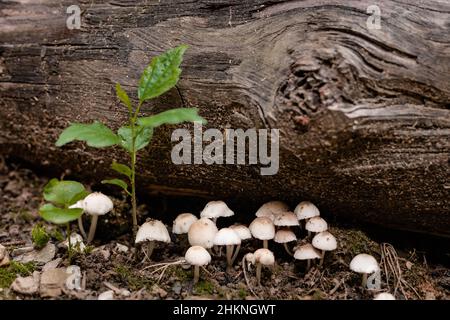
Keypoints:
(229, 238)
(96, 204)
(216, 209)
(272, 209)
(244, 233)
(202, 233)
(306, 210)
(197, 256)
(151, 231)
(316, 224)
(284, 236)
(4, 256)
(384, 296)
(324, 241)
(182, 223)
(307, 252)
(365, 264)
(262, 228)
(79, 205)
(263, 257)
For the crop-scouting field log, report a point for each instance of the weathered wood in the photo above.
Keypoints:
(363, 114)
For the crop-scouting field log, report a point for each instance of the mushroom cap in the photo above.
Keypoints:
(226, 237)
(216, 209)
(97, 204)
(286, 219)
(316, 224)
(324, 241)
(183, 222)
(197, 256)
(78, 205)
(306, 252)
(262, 228)
(153, 230)
(271, 209)
(364, 263)
(265, 257)
(250, 258)
(242, 231)
(284, 236)
(306, 210)
(384, 296)
(202, 233)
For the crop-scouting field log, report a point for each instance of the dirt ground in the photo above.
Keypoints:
(109, 266)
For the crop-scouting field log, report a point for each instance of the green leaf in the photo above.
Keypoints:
(64, 192)
(95, 135)
(143, 137)
(122, 95)
(57, 215)
(121, 168)
(173, 116)
(117, 182)
(161, 74)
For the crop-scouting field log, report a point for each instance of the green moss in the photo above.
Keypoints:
(180, 274)
(9, 273)
(204, 287)
(242, 293)
(39, 236)
(133, 281)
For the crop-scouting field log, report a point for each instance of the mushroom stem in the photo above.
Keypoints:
(196, 274)
(308, 264)
(229, 257)
(287, 249)
(236, 252)
(258, 273)
(364, 280)
(150, 247)
(81, 227)
(309, 234)
(322, 258)
(265, 244)
(92, 228)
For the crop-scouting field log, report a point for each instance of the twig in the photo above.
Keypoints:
(246, 278)
(163, 264)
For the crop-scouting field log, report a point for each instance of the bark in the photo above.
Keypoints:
(363, 114)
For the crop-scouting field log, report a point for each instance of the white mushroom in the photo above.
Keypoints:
(284, 236)
(96, 204)
(365, 264)
(286, 219)
(324, 241)
(216, 209)
(197, 256)
(384, 296)
(151, 231)
(263, 229)
(244, 233)
(307, 252)
(306, 210)
(263, 257)
(183, 222)
(316, 224)
(272, 209)
(229, 238)
(202, 233)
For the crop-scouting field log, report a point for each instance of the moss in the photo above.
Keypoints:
(39, 236)
(9, 274)
(180, 274)
(133, 281)
(242, 293)
(204, 287)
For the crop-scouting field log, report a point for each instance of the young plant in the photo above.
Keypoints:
(39, 236)
(159, 76)
(61, 195)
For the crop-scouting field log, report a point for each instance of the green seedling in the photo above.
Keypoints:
(159, 76)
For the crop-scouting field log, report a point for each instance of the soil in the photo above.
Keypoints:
(405, 273)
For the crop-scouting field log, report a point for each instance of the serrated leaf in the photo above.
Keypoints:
(121, 168)
(95, 135)
(64, 192)
(117, 182)
(57, 215)
(143, 137)
(173, 116)
(123, 96)
(161, 74)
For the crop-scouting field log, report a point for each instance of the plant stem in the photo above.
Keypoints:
(229, 257)
(236, 252)
(69, 243)
(196, 274)
(308, 264)
(364, 281)
(92, 228)
(287, 249)
(322, 257)
(258, 273)
(80, 226)
(265, 244)
(150, 248)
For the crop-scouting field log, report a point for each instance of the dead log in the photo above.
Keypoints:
(363, 113)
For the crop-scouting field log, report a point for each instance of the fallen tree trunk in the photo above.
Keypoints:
(363, 114)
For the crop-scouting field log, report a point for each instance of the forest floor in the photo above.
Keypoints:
(114, 264)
